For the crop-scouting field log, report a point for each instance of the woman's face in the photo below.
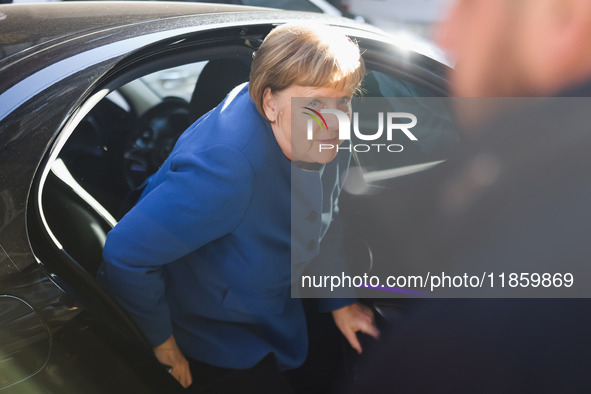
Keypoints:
(290, 121)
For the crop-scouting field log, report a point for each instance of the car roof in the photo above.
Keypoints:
(25, 27)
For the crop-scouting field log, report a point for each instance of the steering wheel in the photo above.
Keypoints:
(153, 139)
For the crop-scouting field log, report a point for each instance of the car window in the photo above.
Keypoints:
(436, 136)
(176, 81)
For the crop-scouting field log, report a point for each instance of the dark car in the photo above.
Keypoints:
(321, 6)
(85, 117)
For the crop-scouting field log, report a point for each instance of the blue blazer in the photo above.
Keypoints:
(205, 254)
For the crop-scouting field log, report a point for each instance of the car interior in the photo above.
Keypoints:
(116, 147)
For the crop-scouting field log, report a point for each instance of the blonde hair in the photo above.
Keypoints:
(307, 55)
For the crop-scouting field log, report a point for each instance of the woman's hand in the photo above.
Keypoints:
(169, 354)
(353, 318)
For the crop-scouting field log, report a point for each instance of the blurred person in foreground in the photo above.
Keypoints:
(202, 262)
(518, 194)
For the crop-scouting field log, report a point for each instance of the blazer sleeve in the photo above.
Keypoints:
(203, 197)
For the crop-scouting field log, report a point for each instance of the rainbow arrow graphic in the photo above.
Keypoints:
(316, 118)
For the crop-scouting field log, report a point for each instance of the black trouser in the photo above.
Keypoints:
(263, 378)
(318, 375)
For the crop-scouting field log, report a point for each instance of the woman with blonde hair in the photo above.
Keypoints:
(202, 262)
